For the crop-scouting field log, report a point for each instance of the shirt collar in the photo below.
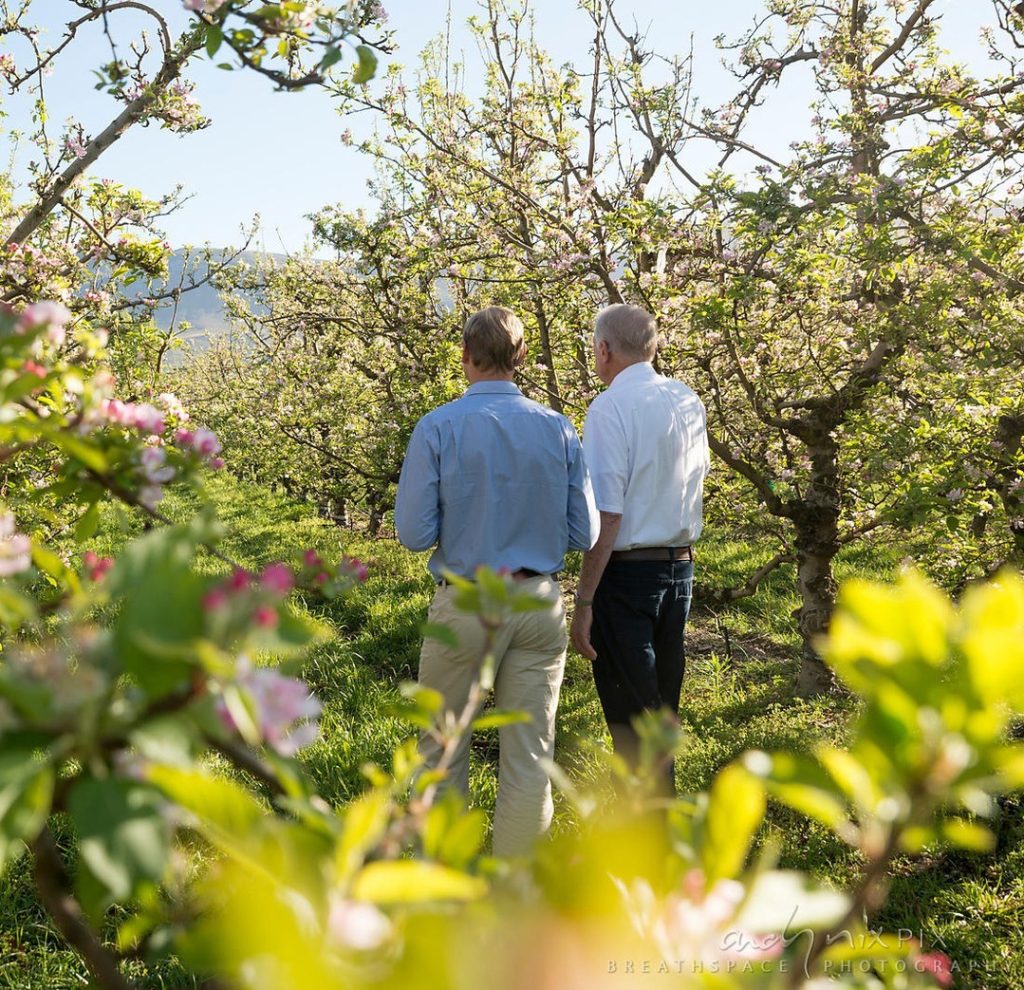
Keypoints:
(643, 371)
(493, 388)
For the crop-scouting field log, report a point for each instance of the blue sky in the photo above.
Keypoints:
(279, 155)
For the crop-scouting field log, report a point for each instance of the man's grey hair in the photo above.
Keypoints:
(627, 330)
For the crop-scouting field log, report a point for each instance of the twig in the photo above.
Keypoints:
(53, 884)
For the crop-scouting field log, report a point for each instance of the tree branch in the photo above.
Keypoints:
(53, 885)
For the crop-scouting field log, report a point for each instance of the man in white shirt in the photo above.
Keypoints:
(645, 443)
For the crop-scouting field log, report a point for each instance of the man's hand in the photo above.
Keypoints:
(594, 563)
(579, 631)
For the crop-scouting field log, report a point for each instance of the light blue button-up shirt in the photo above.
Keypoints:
(495, 479)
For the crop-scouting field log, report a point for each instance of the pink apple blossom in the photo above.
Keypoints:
(96, 566)
(938, 964)
(698, 923)
(240, 579)
(171, 404)
(15, 547)
(205, 442)
(265, 617)
(279, 702)
(356, 925)
(277, 578)
(52, 315)
(155, 469)
(140, 416)
(204, 6)
(150, 496)
(75, 144)
(215, 599)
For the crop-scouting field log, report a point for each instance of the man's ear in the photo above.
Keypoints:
(466, 359)
(520, 356)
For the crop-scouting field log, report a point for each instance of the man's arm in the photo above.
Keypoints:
(584, 521)
(606, 451)
(418, 502)
(594, 563)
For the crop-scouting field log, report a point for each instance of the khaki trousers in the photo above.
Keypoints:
(529, 658)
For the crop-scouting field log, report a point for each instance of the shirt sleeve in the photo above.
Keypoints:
(704, 434)
(607, 455)
(418, 502)
(584, 519)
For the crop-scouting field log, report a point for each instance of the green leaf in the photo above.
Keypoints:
(166, 739)
(968, 835)
(366, 68)
(497, 719)
(89, 454)
(366, 818)
(15, 608)
(442, 633)
(26, 793)
(530, 603)
(463, 839)
(410, 881)
(52, 566)
(233, 820)
(87, 525)
(124, 840)
(331, 57)
(735, 811)
(223, 807)
(214, 39)
(801, 783)
(428, 699)
(492, 585)
(161, 612)
(291, 635)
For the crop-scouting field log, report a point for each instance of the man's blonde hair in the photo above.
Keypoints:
(628, 330)
(494, 339)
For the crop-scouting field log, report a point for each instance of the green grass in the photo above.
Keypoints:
(734, 699)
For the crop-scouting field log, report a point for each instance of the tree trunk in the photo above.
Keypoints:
(546, 354)
(338, 511)
(817, 543)
(1010, 436)
(376, 519)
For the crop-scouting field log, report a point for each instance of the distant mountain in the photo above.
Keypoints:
(200, 304)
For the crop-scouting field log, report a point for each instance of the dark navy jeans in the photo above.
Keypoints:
(640, 613)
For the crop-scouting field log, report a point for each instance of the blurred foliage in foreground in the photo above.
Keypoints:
(267, 886)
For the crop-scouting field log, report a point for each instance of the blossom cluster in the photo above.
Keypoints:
(141, 416)
(203, 443)
(153, 420)
(96, 567)
(316, 573)
(76, 144)
(376, 12)
(245, 598)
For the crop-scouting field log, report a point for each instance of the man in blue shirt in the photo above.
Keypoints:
(494, 479)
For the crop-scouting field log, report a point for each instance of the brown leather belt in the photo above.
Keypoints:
(654, 553)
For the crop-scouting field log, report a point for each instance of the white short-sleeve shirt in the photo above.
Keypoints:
(645, 442)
